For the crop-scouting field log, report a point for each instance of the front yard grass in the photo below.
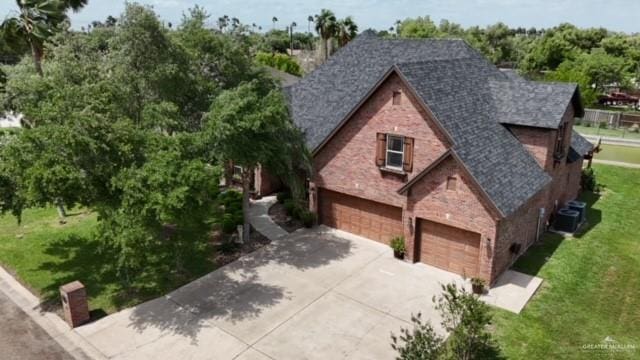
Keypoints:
(591, 287)
(43, 255)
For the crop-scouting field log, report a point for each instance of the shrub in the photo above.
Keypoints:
(231, 198)
(228, 247)
(603, 125)
(281, 62)
(398, 245)
(587, 124)
(282, 196)
(289, 206)
(588, 180)
(464, 317)
(578, 122)
(308, 218)
(421, 342)
(229, 223)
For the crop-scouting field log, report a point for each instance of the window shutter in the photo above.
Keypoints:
(381, 149)
(407, 165)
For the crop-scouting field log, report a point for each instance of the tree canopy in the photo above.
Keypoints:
(120, 123)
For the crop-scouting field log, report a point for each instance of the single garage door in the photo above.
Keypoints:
(449, 248)
(366, 218)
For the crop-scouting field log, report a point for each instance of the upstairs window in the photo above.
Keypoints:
(560, 140)
(397, 98)
(395, 152)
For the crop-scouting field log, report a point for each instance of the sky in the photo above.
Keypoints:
(617, 15)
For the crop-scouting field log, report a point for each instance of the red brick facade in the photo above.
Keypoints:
(346, 164)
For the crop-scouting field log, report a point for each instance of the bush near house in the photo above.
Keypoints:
(300, 212)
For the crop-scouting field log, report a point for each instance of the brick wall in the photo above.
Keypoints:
(347, 162)
(463, 207)
(520, 227)
(539, 142)
(265, 183)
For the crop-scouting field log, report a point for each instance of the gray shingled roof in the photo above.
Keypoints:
(581, 145)
(461, 88)
(537, 104)
(494, 157)
(322, 99)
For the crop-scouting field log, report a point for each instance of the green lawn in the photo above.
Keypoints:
(45, 255)
(618, 133)
(591, 286)
(627, 154)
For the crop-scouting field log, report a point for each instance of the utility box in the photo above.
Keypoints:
(74, 303)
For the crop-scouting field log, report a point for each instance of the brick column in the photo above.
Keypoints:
(74, 303)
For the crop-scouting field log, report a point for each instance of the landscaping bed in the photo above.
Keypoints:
(278, 214)
(230, 251)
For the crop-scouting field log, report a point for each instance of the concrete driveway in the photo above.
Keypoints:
(315, 294)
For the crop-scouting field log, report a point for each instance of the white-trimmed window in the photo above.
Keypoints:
(395, 152)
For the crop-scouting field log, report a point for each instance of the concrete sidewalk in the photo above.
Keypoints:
(54, 327)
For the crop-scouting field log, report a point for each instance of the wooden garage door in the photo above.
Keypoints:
(358, 216)
(449, 248)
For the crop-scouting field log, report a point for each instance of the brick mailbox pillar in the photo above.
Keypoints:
(74, 303)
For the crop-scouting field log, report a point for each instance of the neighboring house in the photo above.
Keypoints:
(426, 139)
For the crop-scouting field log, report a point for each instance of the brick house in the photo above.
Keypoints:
(428, 140)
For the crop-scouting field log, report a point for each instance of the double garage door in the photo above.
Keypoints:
(370, 219)
(446, 247)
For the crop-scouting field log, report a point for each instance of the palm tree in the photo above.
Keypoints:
(346, 30)
(293, 25)
(326, 28)
(309, 21)
(274, 20)
(223, 22)
(36, 22)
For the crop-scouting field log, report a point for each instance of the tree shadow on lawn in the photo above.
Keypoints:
(83, 258)
(538, 254)
(243, 290)
(78, 258)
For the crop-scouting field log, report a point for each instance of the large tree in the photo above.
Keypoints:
(250, 126)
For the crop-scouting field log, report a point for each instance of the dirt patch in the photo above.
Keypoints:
(278, 214)
(227, 250)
